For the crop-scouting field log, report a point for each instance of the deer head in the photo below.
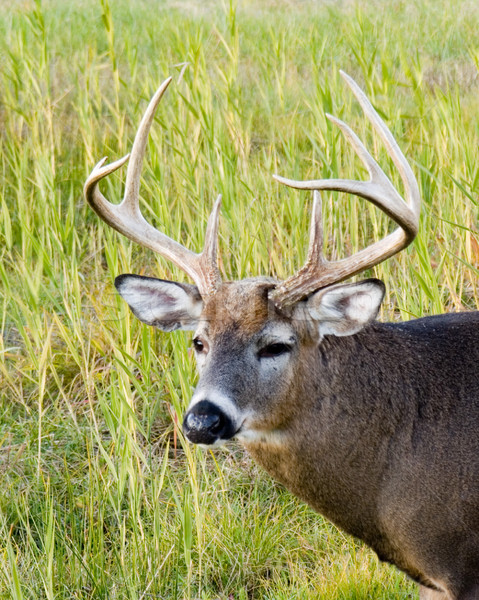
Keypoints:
(256, 340)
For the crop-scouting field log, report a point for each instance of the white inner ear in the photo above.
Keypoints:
(164, 304)
(346, 309)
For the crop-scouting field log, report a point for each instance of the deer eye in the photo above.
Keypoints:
(198, 345)
(273, 350)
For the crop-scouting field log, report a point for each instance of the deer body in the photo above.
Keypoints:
(375, 425)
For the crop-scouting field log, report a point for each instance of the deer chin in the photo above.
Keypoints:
(248, 436)
(219, 443)
(257, 436)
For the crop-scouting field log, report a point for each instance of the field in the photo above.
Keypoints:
(100, 496)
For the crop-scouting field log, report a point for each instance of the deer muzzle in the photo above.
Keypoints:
(205, 423)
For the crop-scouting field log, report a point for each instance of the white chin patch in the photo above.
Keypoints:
(217, 444)
(251, 436)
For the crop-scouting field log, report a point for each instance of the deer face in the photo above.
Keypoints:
(251, 336)
(249, 353)
(246, 353)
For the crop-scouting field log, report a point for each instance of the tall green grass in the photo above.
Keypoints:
(100, 496)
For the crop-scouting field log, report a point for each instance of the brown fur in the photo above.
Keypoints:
(239, 307)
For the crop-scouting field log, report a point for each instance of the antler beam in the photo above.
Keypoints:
(126, 217)
(317, 272)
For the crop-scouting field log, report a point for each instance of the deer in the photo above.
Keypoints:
(374, 424)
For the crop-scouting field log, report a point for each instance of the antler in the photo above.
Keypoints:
(317, 272)
(126, 217)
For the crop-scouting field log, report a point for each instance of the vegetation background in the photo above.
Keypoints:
(99, 495)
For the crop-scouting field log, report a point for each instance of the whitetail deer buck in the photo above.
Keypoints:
(375, 425)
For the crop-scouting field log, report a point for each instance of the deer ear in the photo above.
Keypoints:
(164, 304)
(345, 309)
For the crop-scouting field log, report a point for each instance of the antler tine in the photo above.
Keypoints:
(133, 174)
(315, 251)
(207, 263)
(127, 219)
(413, 197)
(379, 190)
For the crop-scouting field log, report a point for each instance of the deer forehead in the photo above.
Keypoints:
(241, 307)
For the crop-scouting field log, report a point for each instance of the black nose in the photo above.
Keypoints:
(205, 423)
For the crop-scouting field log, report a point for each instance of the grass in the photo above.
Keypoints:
(100, 496)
